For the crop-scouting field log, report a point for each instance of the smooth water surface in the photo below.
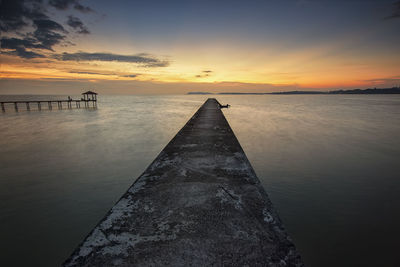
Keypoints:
(330, 164)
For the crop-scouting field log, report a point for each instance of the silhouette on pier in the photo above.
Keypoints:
(224, 106)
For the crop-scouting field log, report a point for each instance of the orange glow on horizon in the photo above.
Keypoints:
(313, 68)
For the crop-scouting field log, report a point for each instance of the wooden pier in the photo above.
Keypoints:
(199, 203)
(69, 103)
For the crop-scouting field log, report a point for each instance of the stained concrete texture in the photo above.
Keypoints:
(199, 203)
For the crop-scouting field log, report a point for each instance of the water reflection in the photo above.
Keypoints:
(329, 163)
(330, 166)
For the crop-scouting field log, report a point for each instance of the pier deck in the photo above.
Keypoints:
(198, 203)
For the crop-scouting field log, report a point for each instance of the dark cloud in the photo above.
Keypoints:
(23, 53)
(61, 4)
(77, 25)
(386, 80)
(102, 73)
(83, 9)
(158, 63)
(48, 25)
(90, 72)
(143, 59)
(66, 4)
(17, 47)
(204, 73)
(11, 15)
(130, 76)
(18, 16)
(14, 43)
(396, 11)
(48, 33)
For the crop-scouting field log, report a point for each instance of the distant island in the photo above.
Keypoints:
(199, 93)
(393, 90)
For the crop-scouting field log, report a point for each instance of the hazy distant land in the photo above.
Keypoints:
(393, 90)
(199, 93)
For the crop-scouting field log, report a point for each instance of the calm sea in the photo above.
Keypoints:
(330, 164)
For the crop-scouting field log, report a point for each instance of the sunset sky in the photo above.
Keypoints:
(169, 47)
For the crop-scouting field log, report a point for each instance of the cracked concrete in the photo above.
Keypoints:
(199, 203)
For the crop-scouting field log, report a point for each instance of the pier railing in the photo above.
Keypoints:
(60, 104)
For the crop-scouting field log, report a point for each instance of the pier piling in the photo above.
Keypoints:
(198, 203)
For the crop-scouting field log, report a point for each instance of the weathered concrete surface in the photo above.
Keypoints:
(199, 203)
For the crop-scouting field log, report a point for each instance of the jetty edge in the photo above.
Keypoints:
(199, 203)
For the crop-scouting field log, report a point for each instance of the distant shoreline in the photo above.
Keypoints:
(394, 90)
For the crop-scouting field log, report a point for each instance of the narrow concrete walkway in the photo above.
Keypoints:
(198, 204)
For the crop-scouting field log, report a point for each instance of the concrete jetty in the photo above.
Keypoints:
(199, 203)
